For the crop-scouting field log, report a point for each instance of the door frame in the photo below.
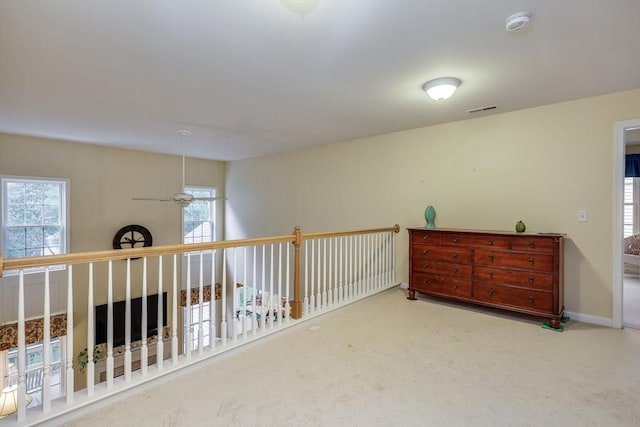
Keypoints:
(618, 198)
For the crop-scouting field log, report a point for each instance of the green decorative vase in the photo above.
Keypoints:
(430, 216)
(520, 227)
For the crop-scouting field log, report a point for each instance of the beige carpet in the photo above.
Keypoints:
(631, 301)
(387, 361)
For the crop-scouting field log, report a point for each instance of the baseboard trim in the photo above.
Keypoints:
(588, 318)
(404, 285)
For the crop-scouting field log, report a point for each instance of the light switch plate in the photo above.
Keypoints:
(582, 215)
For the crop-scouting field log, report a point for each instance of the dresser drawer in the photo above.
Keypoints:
(432, 283)
(526, 261)
(533, 244)
(480, 241)
(517, 297)
(442, 253)
(446, 268)
(425, 237)
(525, 279)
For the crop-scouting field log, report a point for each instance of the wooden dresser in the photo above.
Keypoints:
(515, 271)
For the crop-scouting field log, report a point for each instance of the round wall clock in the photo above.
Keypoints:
(132, 236)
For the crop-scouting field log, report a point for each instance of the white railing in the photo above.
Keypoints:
(230, 293)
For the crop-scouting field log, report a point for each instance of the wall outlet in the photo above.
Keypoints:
(582, 215)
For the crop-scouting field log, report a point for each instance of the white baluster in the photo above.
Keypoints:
(160, 321)
(244, 294)
(269, 308)
(263, 324)
(278, 312)
(341, 269)
(254, 318)
(109, 362)
(223, 324)
(287, 308)
(330, 272)
(324, 273)
(46, 371)
(70, 390)
(144, 352)
(306, 278)
(174, 316)
(234, 295)
(200, 307)
(127, 325)
(90, 338)
(188, 320)
(393, 251)
(22, 352)
(212, 302)
(312, 301)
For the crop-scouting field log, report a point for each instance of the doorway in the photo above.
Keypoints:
(626, 253)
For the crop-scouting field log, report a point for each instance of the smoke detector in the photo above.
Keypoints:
(517, 21)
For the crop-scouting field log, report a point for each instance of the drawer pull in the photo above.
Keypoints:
(531, 300)
(490, 257)
(490, 291)
(425, 265)
(532, 245)
(424, 252)
(454, 286)
(425, 237)
(455, 254)
(455, 240)
(491, 274)
(425, 281)
(455, 270)
(490, 242)
(531, 261)
(531, 279)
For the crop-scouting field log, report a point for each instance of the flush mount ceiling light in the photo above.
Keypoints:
(442, 88)
(517, 21)
(301, 7)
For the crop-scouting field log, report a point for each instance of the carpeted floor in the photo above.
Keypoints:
(387, 361)
(631, 301)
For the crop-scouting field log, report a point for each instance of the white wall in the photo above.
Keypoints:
(538, 165)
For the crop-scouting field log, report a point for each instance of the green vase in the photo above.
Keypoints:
(430, 216)
(520, 227)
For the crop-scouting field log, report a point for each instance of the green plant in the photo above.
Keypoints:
(83, 358)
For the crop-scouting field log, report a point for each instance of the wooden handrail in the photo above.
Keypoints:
(98, 256)
(395, 228)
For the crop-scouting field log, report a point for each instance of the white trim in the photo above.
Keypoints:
(618, 177)
(588, 318)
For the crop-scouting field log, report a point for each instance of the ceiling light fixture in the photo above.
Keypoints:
(301, 7)
(517, 21)
(442, 88)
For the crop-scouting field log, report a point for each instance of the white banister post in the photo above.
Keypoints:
(127, 325)
(245, 321)
(144, 352)
(312, 299)
(329, 272)
(306, 277)
(46, 350)
(223, 323)
(70, 389)
(109, 362)
(254, 317)
(188, 321)
(22, 352)
(271, 268)
(160, 318)
(200, 306)
(287, 308)
(234, 296)
(213, 312)
(278, 313)
(174, 316)
(90, 335)
(263, 324)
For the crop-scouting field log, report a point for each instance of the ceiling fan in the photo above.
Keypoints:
(182, 199)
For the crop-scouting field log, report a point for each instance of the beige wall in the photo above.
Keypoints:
(102, 183)
(538, 165)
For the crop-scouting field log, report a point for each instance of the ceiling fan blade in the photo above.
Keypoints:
(153, 199)
(209, 199)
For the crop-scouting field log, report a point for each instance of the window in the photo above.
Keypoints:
(34, 369)
(631, 211)
(34, 217)
(198, 219)
(194, 324)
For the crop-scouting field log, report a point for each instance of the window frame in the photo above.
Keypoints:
(213, 207)
(635, 206)
(64, 215)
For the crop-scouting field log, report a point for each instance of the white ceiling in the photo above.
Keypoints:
(250, 78)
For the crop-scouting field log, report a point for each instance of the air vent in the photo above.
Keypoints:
(480, 109)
